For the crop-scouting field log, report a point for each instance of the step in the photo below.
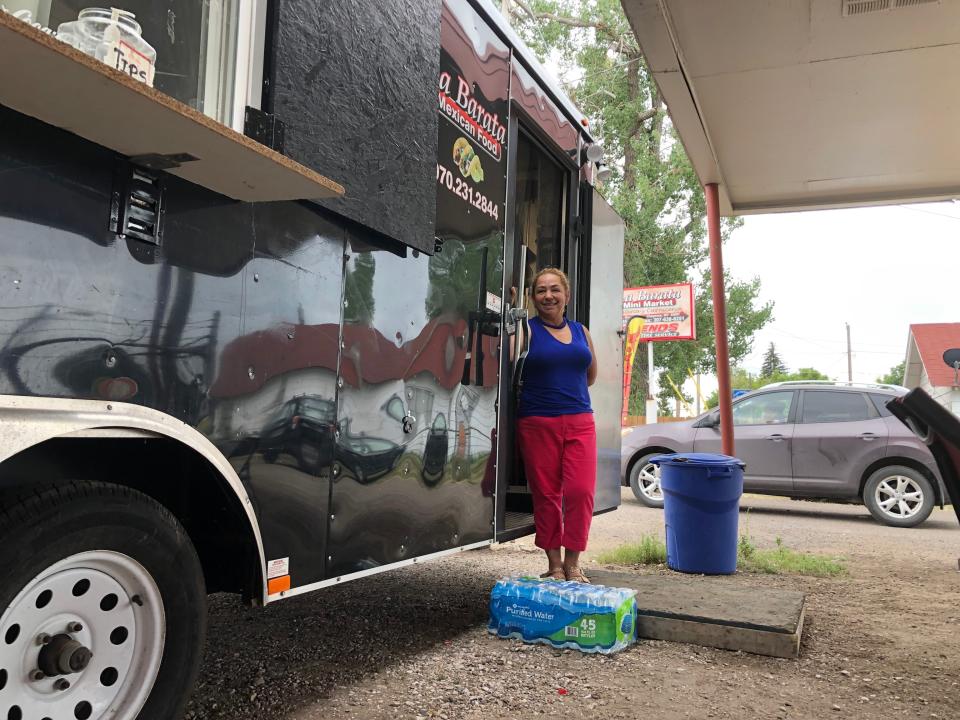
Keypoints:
(714, 611)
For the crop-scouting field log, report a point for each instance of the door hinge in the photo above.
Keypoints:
(136, 205)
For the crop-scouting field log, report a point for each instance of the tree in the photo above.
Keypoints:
(772, 364)
(740, 379)
(358, 289)
(896, 374)
(653, 186)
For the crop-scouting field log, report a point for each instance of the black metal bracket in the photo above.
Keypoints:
(263, 127)
(136, 203)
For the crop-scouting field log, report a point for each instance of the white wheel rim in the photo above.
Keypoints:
(899, 496)
(75, 597)
(649, 482)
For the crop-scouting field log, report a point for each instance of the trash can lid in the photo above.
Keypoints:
(711, 459)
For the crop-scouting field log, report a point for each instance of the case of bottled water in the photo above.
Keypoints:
(591, 618)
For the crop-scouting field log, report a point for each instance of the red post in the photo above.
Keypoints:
(720, 318)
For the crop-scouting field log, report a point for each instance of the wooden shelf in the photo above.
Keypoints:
(59, 85)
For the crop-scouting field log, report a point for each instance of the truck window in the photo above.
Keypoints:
(195, 42)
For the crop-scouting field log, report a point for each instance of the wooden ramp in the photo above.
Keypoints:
(714, 611)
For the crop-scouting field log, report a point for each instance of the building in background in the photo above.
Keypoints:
(925, 367)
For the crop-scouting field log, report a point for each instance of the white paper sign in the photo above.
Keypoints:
(494, 303)
(278, 568)
(126, 59)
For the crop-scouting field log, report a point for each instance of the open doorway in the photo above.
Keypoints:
(541, 192)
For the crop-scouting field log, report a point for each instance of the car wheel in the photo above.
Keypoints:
(102, 606)
(309, 457)
(898, 496)
(645, 482)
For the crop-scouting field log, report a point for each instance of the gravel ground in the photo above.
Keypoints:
(412, 643)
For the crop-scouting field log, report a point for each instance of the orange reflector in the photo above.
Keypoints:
(278, 584)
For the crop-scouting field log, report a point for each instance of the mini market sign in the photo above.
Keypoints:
(667, 310)
(654, 314)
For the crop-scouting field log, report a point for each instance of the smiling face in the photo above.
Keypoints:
(550, 296)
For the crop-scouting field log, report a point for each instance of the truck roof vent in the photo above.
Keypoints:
(863, 7)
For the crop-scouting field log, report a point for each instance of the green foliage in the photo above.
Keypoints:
(740, 379)
(895, 375)
(781, 560)
(455, 275)
(653, 186)
(358, 290)
(651, 550)
(772, 364)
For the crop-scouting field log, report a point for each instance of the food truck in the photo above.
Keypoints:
(261, 259)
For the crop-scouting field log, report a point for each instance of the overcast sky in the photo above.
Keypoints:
(879, 269)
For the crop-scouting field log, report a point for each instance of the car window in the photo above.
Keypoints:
(830, 407)
(880, 401)
(767, 409)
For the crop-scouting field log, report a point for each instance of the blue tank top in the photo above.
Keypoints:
(555, 374)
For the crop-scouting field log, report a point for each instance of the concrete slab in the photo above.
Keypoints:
(714, 611)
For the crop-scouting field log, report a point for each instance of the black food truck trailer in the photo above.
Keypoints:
(222, 370)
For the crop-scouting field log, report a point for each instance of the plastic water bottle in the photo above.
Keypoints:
(591, 618)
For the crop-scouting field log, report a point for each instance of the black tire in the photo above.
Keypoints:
(642, 490)
(882, 488)
(51, 525)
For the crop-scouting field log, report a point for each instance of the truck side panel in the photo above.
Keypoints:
(207, 325)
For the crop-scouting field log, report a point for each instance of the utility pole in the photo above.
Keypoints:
(651, 399)
(505, 8)
(849, 356)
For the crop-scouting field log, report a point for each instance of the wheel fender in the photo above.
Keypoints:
(28, 421)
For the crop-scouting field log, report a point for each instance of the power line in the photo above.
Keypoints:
(929, 212)
(816, 341)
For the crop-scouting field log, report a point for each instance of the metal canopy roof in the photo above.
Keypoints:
(804, 104)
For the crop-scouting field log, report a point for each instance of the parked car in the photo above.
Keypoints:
(806, 439)
(302, 427)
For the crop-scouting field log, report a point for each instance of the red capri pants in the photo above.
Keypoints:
(560, 460)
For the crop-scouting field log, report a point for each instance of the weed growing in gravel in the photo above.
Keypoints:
(784, 560)
(651, 550)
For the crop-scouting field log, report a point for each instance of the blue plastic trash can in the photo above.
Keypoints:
(701, 504)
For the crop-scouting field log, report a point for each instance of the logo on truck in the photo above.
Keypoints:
(459, 106)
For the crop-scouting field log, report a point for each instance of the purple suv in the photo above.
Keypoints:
(806, 439)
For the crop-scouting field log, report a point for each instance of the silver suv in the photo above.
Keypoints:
(810, 440)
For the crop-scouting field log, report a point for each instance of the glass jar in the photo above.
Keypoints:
(114, 37)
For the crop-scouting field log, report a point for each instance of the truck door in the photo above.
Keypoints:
(536, 237)
(541, 232)
(602, 299)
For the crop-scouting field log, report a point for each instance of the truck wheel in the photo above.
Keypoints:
(103, 606)
(898, 496)
(645, 482)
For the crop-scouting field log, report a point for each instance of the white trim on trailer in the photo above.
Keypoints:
(527, 57)
(248, 76)
(29, 421)
(303, 589)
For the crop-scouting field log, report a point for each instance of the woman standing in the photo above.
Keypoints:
(555, 428)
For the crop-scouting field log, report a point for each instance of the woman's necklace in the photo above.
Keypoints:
(561, 326)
